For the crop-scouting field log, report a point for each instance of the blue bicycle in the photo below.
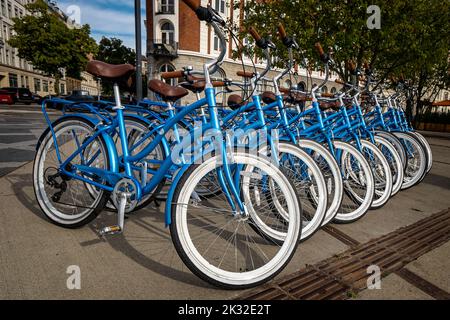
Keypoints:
(240, 237)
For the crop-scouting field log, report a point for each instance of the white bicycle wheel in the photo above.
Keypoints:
(394, 161)
(66, 201)
(397, 145)
(381, 172)
(417, 159)
(216, 243)
(427, 149)
(358, 182)
(331, 173)
(305, 174)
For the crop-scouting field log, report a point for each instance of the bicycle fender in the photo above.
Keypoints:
(168, 211)
(110, 145)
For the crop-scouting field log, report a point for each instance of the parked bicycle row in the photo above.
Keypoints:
(243, 184)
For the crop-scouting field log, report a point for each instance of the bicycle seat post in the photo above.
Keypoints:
(117, 97)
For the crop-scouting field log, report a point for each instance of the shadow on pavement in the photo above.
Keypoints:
(437, 180)
(146, 241)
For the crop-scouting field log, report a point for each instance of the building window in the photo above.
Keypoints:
(62, 88)
(219, 6)
(37, 85)
(324, 89)
(4, 13)
(301, 86)
(167, 33)
(446, 96)
(167, 68)
(167, 6)
(45, 85)
(13, 82)
(333, 90)
(9, 10)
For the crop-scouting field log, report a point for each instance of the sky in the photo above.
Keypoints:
(110, 18)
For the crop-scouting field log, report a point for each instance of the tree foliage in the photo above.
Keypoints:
(112, 50)
(43, 39)
(413, 39)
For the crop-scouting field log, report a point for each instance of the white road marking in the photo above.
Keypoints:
(11, 164)
(29, 145)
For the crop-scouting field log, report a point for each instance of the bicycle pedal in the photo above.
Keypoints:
(110, 230)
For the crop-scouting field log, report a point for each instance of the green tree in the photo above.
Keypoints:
(413, 39)
(45, 40)
(112, 50)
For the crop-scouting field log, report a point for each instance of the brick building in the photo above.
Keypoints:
(176, 38)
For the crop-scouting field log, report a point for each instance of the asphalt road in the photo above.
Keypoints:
(20, 128)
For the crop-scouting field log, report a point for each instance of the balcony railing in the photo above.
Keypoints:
(158, 48)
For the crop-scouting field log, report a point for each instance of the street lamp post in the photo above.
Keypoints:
(137, 14)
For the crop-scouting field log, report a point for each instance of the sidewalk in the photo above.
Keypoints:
(142, 264)
(430, 276)
(433, 134)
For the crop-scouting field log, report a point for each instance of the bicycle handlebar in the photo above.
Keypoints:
(254, 34)
(245, 74)
(282, 31)
(319, 49)
(351, 66)
(214, 19)
(173, 74)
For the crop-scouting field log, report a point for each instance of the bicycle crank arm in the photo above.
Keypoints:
(120, 216)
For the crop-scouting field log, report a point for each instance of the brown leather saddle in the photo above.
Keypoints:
(235, 101)
(166, 91)
(118, 73)
(268, 97)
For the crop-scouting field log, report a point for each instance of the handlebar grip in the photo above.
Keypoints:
(339, 81)
(172, 74)
(193, 4)
(245, 74)
(218, 84)
(282, 31)
(319, 49)
(254, 34)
